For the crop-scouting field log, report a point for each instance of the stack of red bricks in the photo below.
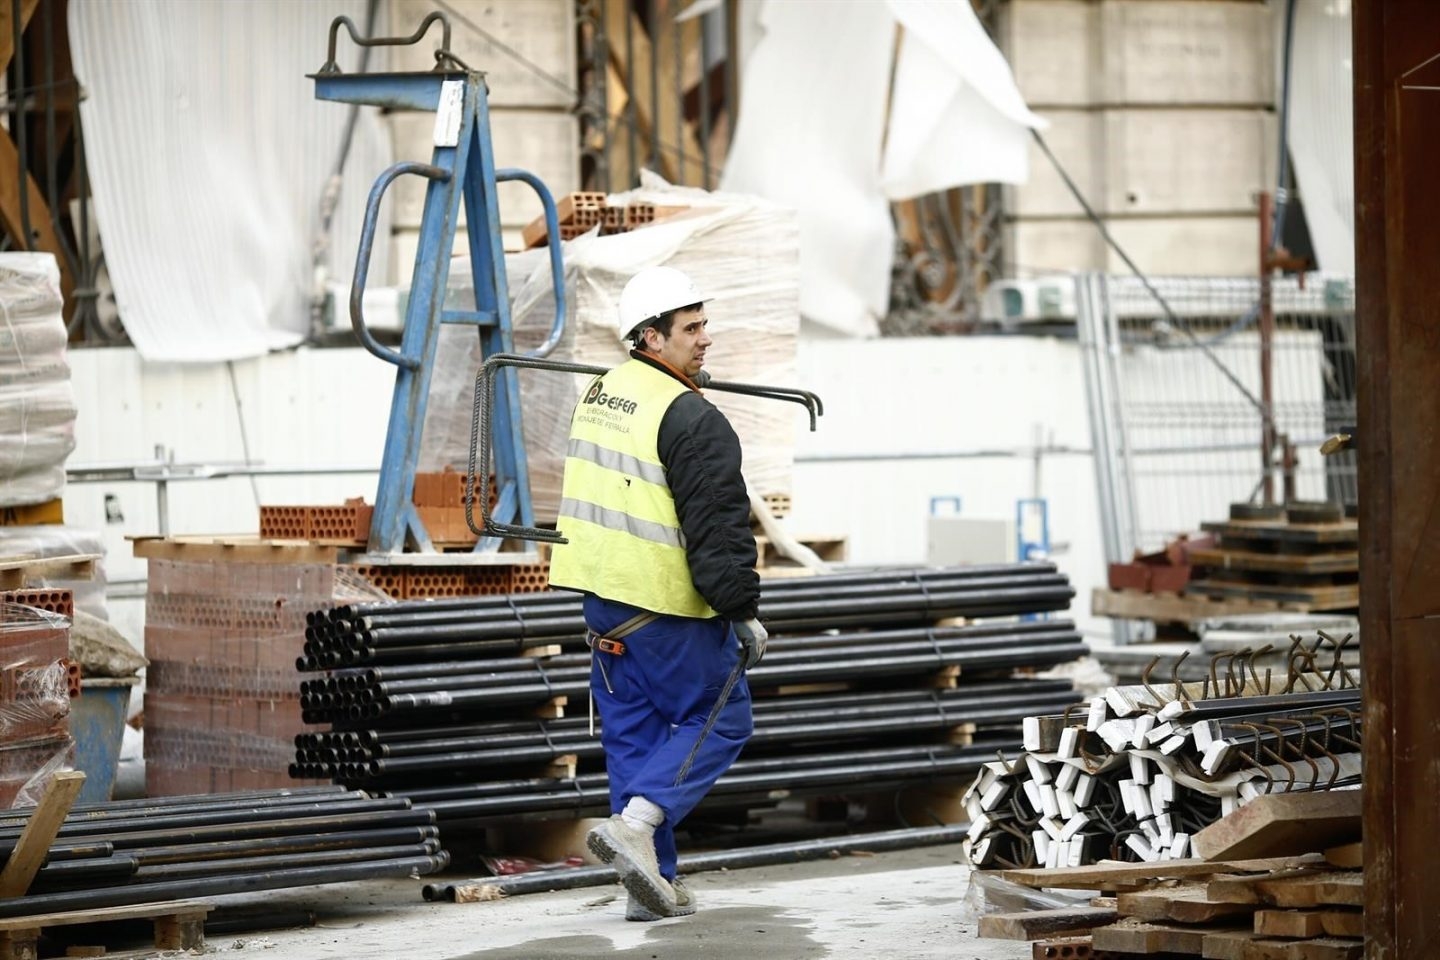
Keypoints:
(439, 498)
(222, 700)
(579, 213)
(37, 682)
(461, 580)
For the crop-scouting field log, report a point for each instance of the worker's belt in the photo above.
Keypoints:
(612, 642)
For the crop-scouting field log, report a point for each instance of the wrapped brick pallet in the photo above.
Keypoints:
(743, 251)
(37, 405)
(36, 684)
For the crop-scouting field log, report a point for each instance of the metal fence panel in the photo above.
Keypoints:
(1176, 429)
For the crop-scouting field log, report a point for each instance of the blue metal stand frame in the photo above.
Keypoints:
(462, 167)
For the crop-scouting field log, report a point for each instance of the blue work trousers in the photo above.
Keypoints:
(653, 701)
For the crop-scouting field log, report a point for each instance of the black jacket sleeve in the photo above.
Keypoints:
(701, 455)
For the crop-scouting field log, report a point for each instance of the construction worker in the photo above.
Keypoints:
(657, 517)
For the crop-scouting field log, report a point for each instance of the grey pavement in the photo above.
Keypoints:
(908, 904)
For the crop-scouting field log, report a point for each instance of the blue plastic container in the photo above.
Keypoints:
(97, 722)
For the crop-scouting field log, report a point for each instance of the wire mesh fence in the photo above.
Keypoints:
(1176, 400)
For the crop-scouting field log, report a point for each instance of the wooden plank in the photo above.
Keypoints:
(1226, 944)
(1289, 923)
(1132, 936)
(1317, 949)
(661, 118)
(1350, 856)
(40, 830)
(1169, 607)
(7, 27)
(1310, 923)
(237, 549)
(1329, 597)
(1282, 824)
(1345, 531)
(1337, 562)
(1339, 888)
(1185, 904)
(1343, 923)
(1103, 876)
(1037, 924)
(139, 911)
(1247, 889)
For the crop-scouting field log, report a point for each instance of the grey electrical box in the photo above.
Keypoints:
(958, 540)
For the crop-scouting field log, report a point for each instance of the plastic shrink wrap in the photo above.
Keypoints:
(36, 684)
(740, 250)
(37, 405)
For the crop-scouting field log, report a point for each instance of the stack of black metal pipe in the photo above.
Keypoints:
(433, 695)
(141, 851)
(470, 628)
(386, 757)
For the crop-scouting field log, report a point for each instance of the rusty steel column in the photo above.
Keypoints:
(1267, 348)
(1397, 240)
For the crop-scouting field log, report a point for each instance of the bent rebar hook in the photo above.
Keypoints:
(480, 434)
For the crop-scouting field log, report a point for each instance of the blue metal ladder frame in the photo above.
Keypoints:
(462, 166)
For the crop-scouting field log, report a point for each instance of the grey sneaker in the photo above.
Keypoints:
(684, 904)
(632, 853)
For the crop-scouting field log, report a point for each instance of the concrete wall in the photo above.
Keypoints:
(329, 407)
(1162, 113)
(532, 123)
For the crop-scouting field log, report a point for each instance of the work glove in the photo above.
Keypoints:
(753, 637)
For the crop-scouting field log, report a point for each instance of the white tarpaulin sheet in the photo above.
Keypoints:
(811, 132)
(208, 154)
(1322, 134)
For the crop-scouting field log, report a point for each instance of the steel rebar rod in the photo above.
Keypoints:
(214, 886)
(692, 863)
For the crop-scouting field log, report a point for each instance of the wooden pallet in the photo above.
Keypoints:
(1171, 607)
(830, 549)
(17, 572)
(179, 925)
(33, 514)
(1296, 908)
(1328, 562)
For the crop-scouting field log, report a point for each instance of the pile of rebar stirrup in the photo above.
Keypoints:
(1147, 766)
(865, 685)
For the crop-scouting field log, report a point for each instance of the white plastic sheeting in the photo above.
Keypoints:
(814, 122)
(208, 154)
(1322, 129)
(956, 115)
(37, 402)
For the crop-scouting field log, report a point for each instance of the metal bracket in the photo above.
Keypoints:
(479, 463)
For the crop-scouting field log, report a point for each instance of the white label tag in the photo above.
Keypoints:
(447, 113)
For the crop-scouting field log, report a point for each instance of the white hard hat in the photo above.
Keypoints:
(652, 292)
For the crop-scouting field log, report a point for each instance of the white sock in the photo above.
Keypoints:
(640, 813)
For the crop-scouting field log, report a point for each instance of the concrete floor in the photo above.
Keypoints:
(908, 904)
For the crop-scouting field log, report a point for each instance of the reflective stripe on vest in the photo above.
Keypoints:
(616, 507)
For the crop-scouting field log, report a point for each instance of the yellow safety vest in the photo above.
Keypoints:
(616, 508)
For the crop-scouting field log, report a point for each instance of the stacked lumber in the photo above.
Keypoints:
(1148, 766)
(581, 212)
(1306, 558)
(1260, 894)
